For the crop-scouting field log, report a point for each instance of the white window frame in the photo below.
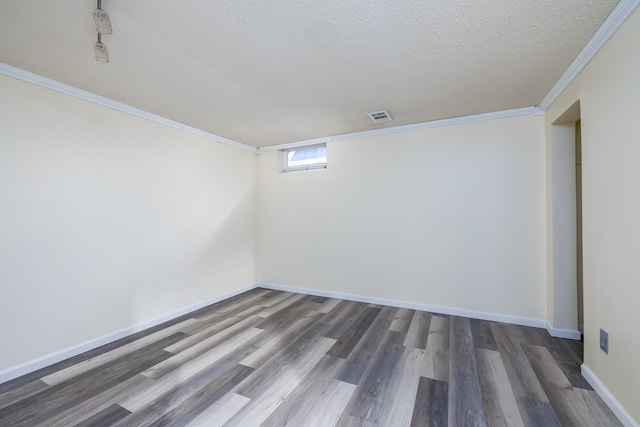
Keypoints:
(284, 159)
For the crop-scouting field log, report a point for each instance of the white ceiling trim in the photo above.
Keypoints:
(36, 79)
(295, 144)
(406, 128)
(611, 24)
(616, 18)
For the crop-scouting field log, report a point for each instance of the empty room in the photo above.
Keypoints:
(319, 213)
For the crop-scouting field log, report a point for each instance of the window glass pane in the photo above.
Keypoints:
(307, 156)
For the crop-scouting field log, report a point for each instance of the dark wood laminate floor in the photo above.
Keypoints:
(276, 358)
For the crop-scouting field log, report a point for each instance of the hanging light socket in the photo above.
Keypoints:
(101, 51)
(102, 20)
(103, 26)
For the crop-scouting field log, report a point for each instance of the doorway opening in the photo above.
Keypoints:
(566, 312)
(578, 150)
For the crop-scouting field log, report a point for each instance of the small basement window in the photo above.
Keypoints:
(303, 158)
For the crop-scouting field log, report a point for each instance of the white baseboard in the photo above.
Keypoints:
(483, 315)
(570, 334)
(66, 353)
(58, 356)
(608, 398)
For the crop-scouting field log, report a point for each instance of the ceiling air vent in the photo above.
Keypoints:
(380, 116)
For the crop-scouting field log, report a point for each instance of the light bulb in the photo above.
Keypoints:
(103, 23)
(101, 52)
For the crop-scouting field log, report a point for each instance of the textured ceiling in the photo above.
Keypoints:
(266, 73)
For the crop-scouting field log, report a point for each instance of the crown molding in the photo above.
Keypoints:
(306, 142)
(438, 123)
(612, 23)
(38, 80)
(537, 111)
(616, 18)
(406, 128)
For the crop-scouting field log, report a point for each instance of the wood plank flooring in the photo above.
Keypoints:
(269, 358)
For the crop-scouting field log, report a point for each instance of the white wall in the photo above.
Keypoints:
(451, 216)
(609, 94)
(108, 221)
